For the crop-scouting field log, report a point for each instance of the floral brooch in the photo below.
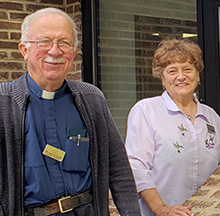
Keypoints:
(209, 143)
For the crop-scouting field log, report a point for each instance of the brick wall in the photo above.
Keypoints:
(206, 200)
(73, 8)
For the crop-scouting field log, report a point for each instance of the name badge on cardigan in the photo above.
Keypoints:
(54, 153)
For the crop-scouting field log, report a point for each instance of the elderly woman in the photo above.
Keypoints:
(172, 140)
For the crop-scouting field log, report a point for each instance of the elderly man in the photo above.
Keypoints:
(60, 150)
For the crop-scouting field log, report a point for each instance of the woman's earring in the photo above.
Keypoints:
(164, 88)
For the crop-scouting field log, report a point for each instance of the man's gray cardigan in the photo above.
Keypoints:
(110, 167)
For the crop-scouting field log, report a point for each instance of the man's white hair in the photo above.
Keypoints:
(44, 12)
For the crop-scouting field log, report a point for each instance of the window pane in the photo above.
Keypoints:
(129, 32)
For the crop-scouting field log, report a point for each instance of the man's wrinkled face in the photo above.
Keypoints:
(49, 66)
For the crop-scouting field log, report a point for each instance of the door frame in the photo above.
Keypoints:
(208, 39)
(90, 42)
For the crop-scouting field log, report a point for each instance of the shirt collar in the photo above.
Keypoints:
(40, 93)
(172, 107)
(170, 104)
(47, 95)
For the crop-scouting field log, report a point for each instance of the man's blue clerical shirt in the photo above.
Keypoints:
(55, 122)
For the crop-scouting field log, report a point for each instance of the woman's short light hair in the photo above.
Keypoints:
(176, 50)
(44, 12)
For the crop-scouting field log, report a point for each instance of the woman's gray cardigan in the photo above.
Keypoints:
(110, 167)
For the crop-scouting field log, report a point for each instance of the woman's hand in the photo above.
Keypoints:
(159, 208)
(174, 211)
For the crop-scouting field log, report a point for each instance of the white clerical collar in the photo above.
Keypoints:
(47, 95)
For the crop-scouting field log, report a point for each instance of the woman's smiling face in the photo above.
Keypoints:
(180, 79)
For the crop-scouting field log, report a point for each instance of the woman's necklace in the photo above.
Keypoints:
(189, 116)
(192, 108)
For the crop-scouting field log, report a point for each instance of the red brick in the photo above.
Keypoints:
(69, 10)
(33, 8)
(4, 35)
(75, 76)
(18, 16)
(78, 66)
(77, 8)
(78, 57)
(72, 1)
(3, 55)
(15, 75)
(29, 0)
(3, 15)
(15, 35)
(9, 45)
(57, 2)
(16, 55)
(4, 75)
(11, 6)
(9, 25)
(10, 65)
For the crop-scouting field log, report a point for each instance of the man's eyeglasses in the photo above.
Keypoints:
(47, 44)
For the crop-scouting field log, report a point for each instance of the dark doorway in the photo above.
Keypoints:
(208, 38)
